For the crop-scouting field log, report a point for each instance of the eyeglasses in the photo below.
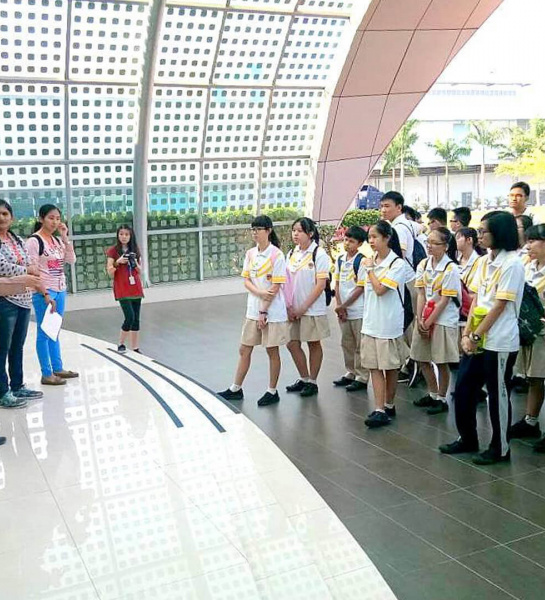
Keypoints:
(256, 229)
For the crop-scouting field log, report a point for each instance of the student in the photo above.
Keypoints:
(498, 286)
(308, 272)
(415, 221)
(461, 218)
(422, 237)
(266, 321)
(50, 254)
(349, 280)
(391, 209)
(531, 359)
(437, 217)
(14, 313)
(435, 339)
(123, 264)
(524, 222)
(519, 194)
(383, 349)
(469, 252)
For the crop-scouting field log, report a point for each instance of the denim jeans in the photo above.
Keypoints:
(13, 329)
(49, 352)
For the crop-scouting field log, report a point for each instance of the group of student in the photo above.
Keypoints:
(436, 299)
(32, 274)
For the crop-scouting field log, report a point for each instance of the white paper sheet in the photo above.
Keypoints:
(51, 324)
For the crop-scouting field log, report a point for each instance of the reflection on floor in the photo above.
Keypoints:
(134, 482)
(437, 527)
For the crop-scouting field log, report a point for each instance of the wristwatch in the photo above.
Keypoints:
(475, 337)
(263, 312)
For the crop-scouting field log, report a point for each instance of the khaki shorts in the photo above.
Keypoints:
(384, 355)
(440, 349)
(275, 334)
(310, 329)
(531, 359)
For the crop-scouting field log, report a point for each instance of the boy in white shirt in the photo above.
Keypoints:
(349, 281)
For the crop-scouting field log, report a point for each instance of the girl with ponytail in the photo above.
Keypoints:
(266, 321)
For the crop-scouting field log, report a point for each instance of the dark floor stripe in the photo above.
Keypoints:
(193, 400)
(207, 389)
(165, 406)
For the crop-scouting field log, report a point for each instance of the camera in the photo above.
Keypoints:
(131, 257)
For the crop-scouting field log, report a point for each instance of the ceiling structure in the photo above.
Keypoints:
(217, 104)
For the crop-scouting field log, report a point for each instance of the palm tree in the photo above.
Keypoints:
(486, 137)
(400, 153)
(451, 154)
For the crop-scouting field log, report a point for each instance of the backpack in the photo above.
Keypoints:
(356, 265)
(467, 300)
(419, 253)
(532, 313)
(407, 304)
(40, 243)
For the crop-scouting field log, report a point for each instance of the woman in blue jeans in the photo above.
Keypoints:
(14, 314)
(50, 254)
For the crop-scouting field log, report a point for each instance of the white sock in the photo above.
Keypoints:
(235, 387)
(271, 391)
(442, 398)
(348, 375)
(389, 405)
(533, 421)
(305, 379)
(434, 395)
(380, 410)
(312, 381)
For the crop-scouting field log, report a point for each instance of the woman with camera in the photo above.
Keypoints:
(124, 266)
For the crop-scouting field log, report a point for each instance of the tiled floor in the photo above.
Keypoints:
(139, 484)
(437, 527)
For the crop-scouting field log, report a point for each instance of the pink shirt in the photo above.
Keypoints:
(51, 262)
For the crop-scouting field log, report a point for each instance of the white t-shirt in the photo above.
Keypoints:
(264, 269)
(405, 232)
(529, 211)
(443, 280)
(501, 278)
(346, 282)
(303, 274)
(383, 316)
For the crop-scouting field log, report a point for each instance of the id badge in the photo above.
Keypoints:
(132, 280)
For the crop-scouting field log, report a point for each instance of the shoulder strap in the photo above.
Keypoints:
(339, 262)
(40, 243)
(398, 292)
(357, 263)
(410, 230)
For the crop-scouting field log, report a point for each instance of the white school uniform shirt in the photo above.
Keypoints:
(264, 269)
(529, 212)
(501, 278)
(467, 271)
(304, 274)
(405, 232)
(536, 278)
(346, 282)
(383, 316)
(439, 281)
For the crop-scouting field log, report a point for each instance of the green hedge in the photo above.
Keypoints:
(360, 217)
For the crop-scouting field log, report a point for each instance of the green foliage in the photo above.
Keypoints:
(450, 152)
(360, 217)
(400, 152)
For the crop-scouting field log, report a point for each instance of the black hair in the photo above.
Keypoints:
(502, 226)
(471, 234)
(386, 230)
(523, 186)
(396, 198)
(418, 215)
(7, 206)
(450, 241)
(525, 220)
(438, 214)
(356, 233)
(536, 232)
(266, 222)
(309, 227)
(409, 211)
(463, 214)
(132, 246)
(45, 209)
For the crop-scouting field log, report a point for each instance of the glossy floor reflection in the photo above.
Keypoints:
(437, 527)
(119, 486)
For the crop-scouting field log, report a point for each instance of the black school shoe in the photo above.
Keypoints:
(488, 457)
(296, 387)
(377, 419)
(424, 402)
(458, 447)
(229, 395)
(343, 381)
(437, 407)
(309, 389)
(521, 429)
(268, 398)
(391, 412)
(356, 386)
